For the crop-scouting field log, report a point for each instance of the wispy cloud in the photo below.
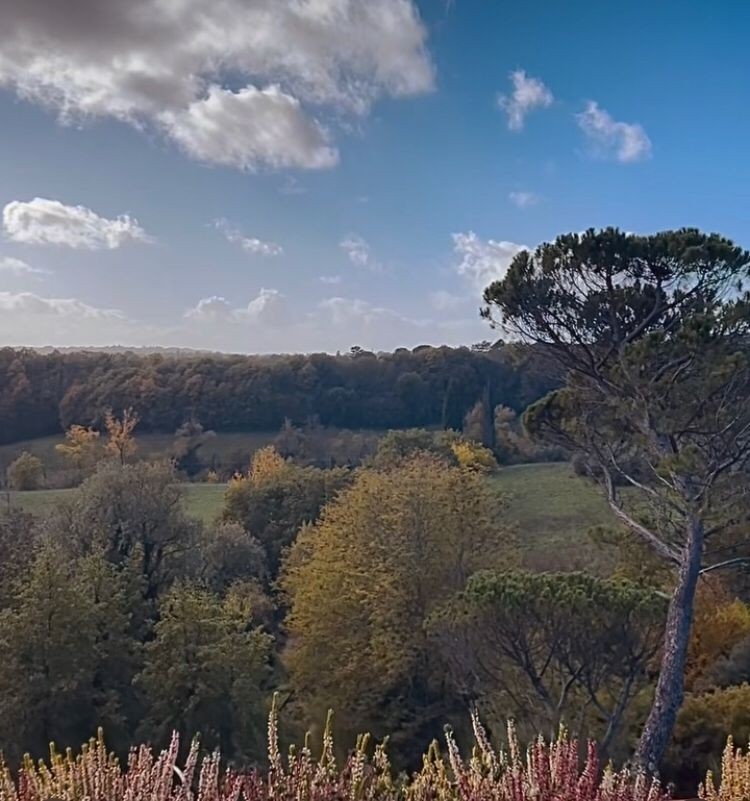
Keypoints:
(623, 141)
(19, 267)
(528, 93)
(359, 252)
(27, 303)
(524, 199)
(446, 301)
(250, 244)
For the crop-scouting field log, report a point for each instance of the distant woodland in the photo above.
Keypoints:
(45, 393)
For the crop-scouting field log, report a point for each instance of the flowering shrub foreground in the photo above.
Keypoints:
(545, 772)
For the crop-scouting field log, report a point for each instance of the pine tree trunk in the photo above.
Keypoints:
(657, 732)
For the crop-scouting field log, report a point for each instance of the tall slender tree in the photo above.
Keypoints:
(654, 334)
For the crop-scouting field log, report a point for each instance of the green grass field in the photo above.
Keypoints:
(222, 447)
(551, 508)
(203, 501)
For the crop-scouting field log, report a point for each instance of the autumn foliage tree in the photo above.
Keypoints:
(276, 498)
(363, 581)
(653, 332)
(80, 447)
(120, 440)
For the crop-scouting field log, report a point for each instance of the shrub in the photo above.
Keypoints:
(26, 472)
(474, 457)
(701, 730)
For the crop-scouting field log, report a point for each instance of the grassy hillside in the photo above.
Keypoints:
(551, 507)
(203, 501)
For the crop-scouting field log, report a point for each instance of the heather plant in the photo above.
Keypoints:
(734, 783)
(555, 771)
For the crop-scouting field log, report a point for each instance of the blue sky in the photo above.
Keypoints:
(295, 175)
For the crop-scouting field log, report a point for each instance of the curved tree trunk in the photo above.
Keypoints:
(657, 732)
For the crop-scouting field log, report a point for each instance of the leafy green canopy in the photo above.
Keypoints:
(603, 290)
(548, 648)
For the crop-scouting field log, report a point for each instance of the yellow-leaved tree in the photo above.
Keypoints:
(363, 581)
(266, 464)
(80, 448)
(121, 442)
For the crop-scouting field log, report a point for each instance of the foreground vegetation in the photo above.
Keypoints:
(548, 772)
(560, 770)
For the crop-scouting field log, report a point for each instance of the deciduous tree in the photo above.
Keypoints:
(26, 472)
(81, 447)
(205, 672)
(277, 498)
(134, 514)
(120, 440)
(363, 581)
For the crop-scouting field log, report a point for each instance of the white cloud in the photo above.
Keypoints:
(330, 279)
(248, 243)
(191, 67)
(49, 222)
(18, 267)
(365, 322)
(483, 261)
(528, 93)
(268, 324)
(443, 301)
(524, 200)
(248, 128)
(626, 142)
(359, 252)
(27, 303)
(291, 186)
(269, 308)
(213, 308)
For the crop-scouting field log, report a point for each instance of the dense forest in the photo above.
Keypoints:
(45, 393)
